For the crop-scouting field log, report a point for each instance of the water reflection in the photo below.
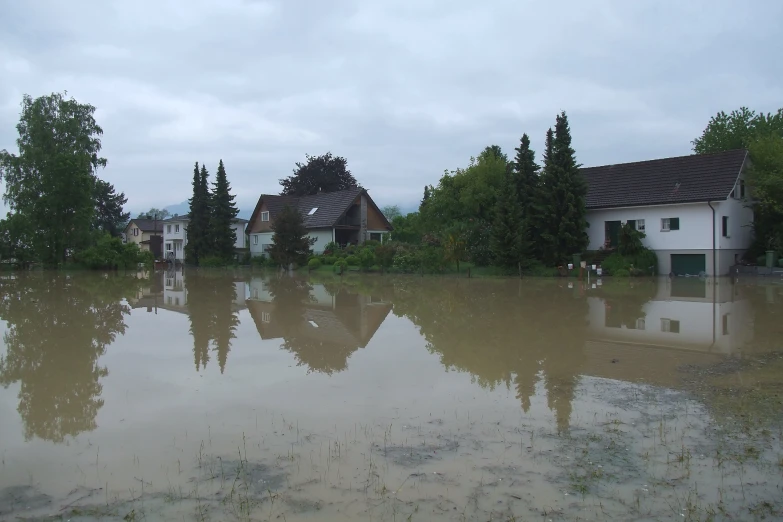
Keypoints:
(57, 329)
(322, 325)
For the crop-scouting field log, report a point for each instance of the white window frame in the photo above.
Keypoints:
(265, 215)
(665, 225)
(255, 239)
(168, 229)
(640, 225)
(135, 231)
(168, 247)
(176, 228)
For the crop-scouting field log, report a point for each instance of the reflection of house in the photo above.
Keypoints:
(149, 296)
(322, 329)
(691, 208)
(345, 216)
(175, 292)
(686, 314)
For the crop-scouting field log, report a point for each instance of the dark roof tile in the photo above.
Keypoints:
(148, 225)
(684, 179)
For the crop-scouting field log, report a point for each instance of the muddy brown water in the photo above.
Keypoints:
(238, 396)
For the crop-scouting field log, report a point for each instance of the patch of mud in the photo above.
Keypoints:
(18, 499)
(411, 456)
(303, 505)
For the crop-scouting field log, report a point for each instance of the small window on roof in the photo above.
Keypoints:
(312, 211)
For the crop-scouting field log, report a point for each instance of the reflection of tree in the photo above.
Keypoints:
(58, 328)
(212, 317)
(503, 333)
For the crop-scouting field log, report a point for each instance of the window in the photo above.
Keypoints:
(742, 188)
(670, 325)
(135, 231)
(168, 300)
(266, 317)
(168, 229)
(312, 211)
(725, 324)
(255, 293)
(375, 236)
(640, 225)
(255, 239)
(168, 247)
(265, 216)
(176, 228)
(640, 324)
(668, 224)
(725, 226)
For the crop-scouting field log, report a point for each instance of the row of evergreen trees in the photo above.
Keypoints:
(540, 210)
(210, 231)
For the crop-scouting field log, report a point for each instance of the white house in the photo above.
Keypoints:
(694, 210)
(345, 217)
(175, 236)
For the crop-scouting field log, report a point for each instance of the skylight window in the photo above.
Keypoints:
(312, 211)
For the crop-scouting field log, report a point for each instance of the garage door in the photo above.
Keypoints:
(688, 264)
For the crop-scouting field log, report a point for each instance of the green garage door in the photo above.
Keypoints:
(688, 264)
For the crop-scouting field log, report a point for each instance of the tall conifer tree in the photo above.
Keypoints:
(509, 241)
(222, 234)
(198, 246)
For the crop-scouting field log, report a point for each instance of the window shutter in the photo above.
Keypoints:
(674, 223)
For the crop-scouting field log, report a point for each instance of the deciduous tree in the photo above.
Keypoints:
(325, 173)
(51, 182)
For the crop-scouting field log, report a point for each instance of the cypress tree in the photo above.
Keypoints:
(546, 209)
(198, 229)
(563, 194)
(527, 184)
(221, 232)
(508, 240)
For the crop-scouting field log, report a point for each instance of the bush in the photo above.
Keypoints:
(352, 260)
(622, 272)
(340, 265)
(329, 260)
(780, 262)
(212, 262)
(643, 263)
(761, 261)
(314, 263)
(406, 261)
(366, 258)
(110, 253)
(331, 247)
(259, 261)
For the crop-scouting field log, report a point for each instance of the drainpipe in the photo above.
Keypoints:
(714, 277)
(714, 270)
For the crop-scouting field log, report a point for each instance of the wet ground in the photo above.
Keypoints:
(205, 396)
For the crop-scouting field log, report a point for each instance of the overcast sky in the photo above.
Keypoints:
(402, 89)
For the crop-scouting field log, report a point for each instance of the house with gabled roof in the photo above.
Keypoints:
(146, 233)
(345, 217)
(695, 210)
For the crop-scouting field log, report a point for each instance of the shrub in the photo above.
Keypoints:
(331, 247)
(329, 260)
(212, 262)
(366, 258)
(630, 240)
(384, 255)
(622, 272)
(314, 263)
(340, 265)
(259, 261)
(352, 260)
(761, 261)
(406, 261)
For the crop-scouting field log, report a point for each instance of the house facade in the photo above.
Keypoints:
(345, 217)
(146, 233)
(694, 210)
(175, 236)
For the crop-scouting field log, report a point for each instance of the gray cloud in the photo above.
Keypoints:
(403, 90)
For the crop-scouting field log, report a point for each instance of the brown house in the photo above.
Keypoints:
(346, 217)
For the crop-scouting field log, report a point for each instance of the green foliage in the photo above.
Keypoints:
(324, 173)
(329, 260)
(340, 265)
(110, 253)
(314, 263)
(384, 255)
(455, 246)
(259, 261)
(51, 182)
(563, 192)
(509, 232)
(223, 211)
(366, 257)
(352, 260)
(630, 240)
(109, 215)
(198, 227)
(290, 243)
(331, 247)
(153, 212)
(16, 240)
(645, 262)
(213, 261)
(622, 272)
(407, 229)
(391, 211)
(737, 130)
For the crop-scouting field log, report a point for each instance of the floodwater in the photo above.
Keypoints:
(238, 396)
